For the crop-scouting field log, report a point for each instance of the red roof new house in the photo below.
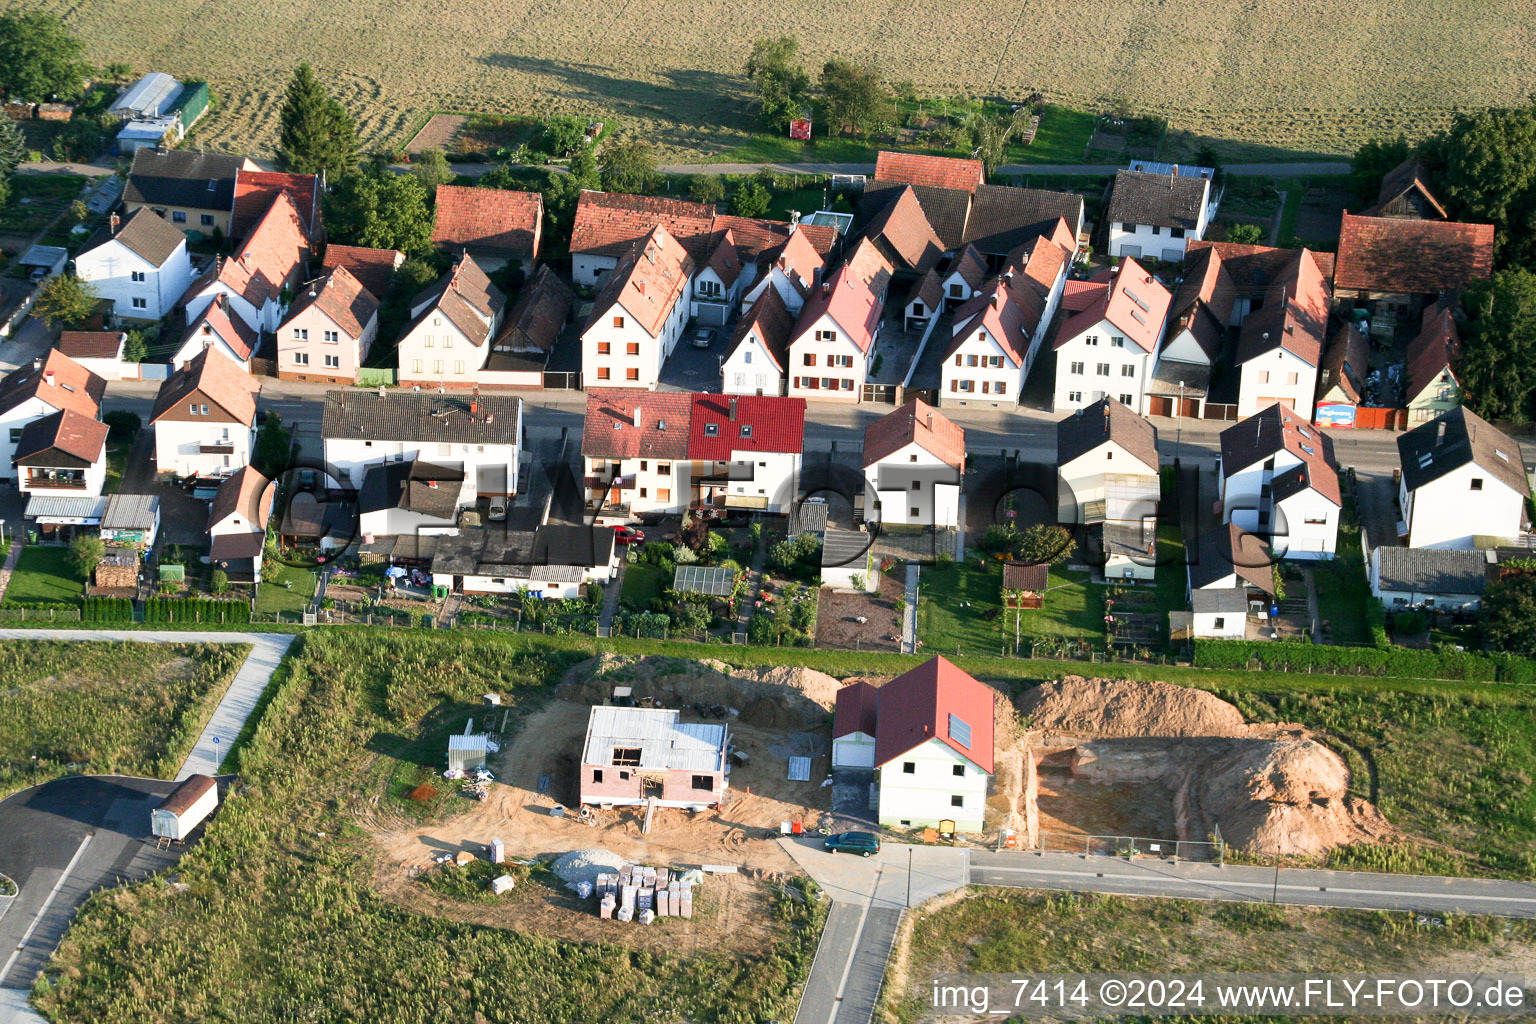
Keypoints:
(255, 190)
(934, 171)
(722, 424)
(934, 700)
(915, 422)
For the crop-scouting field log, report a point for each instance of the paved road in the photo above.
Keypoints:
(1290, 169)
(267, 651)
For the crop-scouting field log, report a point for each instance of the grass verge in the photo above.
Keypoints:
(44, 575)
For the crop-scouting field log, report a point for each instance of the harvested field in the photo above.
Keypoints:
(440, 132)
(1382, 69)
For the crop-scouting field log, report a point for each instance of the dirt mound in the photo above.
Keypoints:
(1288, 797)
(586, 865)
(1127, 708)
(779, 697)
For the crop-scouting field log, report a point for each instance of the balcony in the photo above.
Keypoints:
(56, 483)
(215, 449)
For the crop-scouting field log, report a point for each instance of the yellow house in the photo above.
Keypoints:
(194, 191)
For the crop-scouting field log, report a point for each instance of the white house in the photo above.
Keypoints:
(550, 562)
(41, 388)
(141, 265)
(1280, 345)
(609, 225)
(639, 315)
(1107, 349)
(745, 451)
(914, 459)
(834, 339)
(216, 328)
(448, 338)
(237, 524)
(1107, 466)
(1227, 557)
(328, 330)
(1154, 216)
(992, 341)
(204, 418)
(1463, 483)
(718, 285)
(412, 497)
(1445, 579)
(928, 733)
(1202, 310)
(792, 268)
(1220, 613)
(759, 352)
(478, 435)
(63, 455)
(1279, 480)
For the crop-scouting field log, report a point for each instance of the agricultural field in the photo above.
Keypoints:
(673, 71)
(130, 709)
(291, 865)
(1003, 931)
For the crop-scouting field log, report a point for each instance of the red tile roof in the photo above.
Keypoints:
(1008, 315)
(611, 430)
(488, 221)
(255, 190)
(67, 432)
(609, 223)
(466, 296)
(1252, 268)
(217, 321)
(1411, 257)
(916, 707)
(848, 300)
(768, 321)
(1272, 429)
(725, 261)
(246, 492)
(373, 268)
(871, 267)
(59, 381)
(648, 283)
(91, 344)
(1078, 295)
(214, 374)
(1134, 303)
(915, 422)
(903, 232)
(1040, 262)
(936, 171)
(339, 296)
(1437, 345)
(798, 255)
(753, 423)
(855, 710)
(1294, 316)
(269, 257)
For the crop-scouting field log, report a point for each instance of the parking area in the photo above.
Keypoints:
(696, 369)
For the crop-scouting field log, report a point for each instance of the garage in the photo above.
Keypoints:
(856, 750)
(1159, 405)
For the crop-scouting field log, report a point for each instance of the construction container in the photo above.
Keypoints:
(466, 753)
(185, 809)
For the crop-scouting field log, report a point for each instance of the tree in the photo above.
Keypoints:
(1489, 175)
(706, 188)
(317, 134)
(1497, 368)
(220, 581)
(1246, 234)
(135, 349)
(5, 192)
(65, 301)
(431, 169)
(1044, 544)
(854, 98)
(39, 58)
(379, 209)
(272, 447)
(751, 199)
(86, 551)
(564, 135)
(1509, 613)
(122, 424)
(1370, 164)
(13, 147)
(782, 84)
(628, 166)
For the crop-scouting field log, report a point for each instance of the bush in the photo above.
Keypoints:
(122, 424)
(1410, 623)
(106, 609)
(1442, 663)
(220, 582)
(196, 609)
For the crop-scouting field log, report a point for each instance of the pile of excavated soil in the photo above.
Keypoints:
(779, 697)
(1288, 797)
(1126, 707)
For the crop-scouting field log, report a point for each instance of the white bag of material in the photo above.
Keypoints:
(647, 916)
(583, 889)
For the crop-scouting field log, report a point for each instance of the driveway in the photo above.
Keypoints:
(30, 341)
(1376, 506)
(696, 369)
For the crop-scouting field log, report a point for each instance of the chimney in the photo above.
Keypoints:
(37, 364)
(48, 376)
(113, 223)
(997, 298)
(638, 418)
(733, 410)
(930, 421)
(826, 289)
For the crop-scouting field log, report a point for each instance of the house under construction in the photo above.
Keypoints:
(636, 755)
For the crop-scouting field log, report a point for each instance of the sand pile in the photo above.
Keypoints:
(1127, 707)
(1288, 797)
(586, 865)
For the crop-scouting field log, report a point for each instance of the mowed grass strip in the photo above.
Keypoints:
(45, 575)
(120, 708)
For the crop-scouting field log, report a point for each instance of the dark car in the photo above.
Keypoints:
(862, 843)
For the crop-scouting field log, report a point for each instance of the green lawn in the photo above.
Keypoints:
(806, 200)
(643, 583)
(274, 597)
(117, 462)
(768, 149)
(36, 199)
(960, 608)
(44, 574)
(1062, 138)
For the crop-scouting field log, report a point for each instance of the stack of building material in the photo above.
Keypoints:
(605, 906)
(502, 884)
(637, 890)
(647, 916)
(498, 851)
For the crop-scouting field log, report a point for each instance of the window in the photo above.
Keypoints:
(970, 360)
(458, 366)
(705, 783)
(663, 494)
(1157, 229)
(826, 335)
(332, 337)
(1176, 232)
(1263, 376)
(959, 359)
(333, 362)
(15, 434)
(1117, 342)
(301, 358)
(633, 373)
(746, 357)
(1074, 396)
(746, 430)
(597, 775)
(645, 492)
(602, 373)
(430, 341)
(956, 800)
(447, 341)
(917, 485)
(1077, 368)
(810, 359)
(664, 468)
(986, 387)
(1126, 400)
(960, 731)
(300, 334)
(709, 288)
(206, 220)
(138, 276)
(437, 366)
(847, 385)
(958, 771)
(915, 511)
(632, 349)
(178, 217)
(711, 430)
(1219, 623)
(1316, 521)
(1092, 339)
(618, 322)
(140, 304)
(1290, 378)
(604, 348)
(626, 757)
(416, 366)
(909, 767)
(1128, 370)
(1477, 483)
(1103, 369)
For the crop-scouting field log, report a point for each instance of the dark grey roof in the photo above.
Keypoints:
(1453, 440)
(945, 208)
(410, 486)
(131, 512)
(562, 554)
(1225, 549)
(1104, 421)
(1162, 200)
(179, 177)
(1003, 218)
(1226, 600)
(1432, 570)
(145, 233)
(573, 545)
(421, 416)
(844, 547)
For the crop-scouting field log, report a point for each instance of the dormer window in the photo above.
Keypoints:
(711, 430)
(746, 430)
(213, 184)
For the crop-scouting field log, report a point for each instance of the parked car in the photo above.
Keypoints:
(628, 535)
(497, 511)
(704, 337)
(862, 843)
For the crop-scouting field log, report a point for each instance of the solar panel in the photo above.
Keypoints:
(960, 732)
(711, 580)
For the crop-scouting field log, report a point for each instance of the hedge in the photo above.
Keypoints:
(1444, 663)
(196, 609)
(106, 609)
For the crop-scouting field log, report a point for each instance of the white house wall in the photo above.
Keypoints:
(437, 351)
(934, 501)
(1448, 513)
(110, 267)
(177, 443)
(351, 459)
(750, 370)
(652, 351)
(1129, 370)
(842, 346)
(961, 385)
(1277, 376)
(922, 798)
